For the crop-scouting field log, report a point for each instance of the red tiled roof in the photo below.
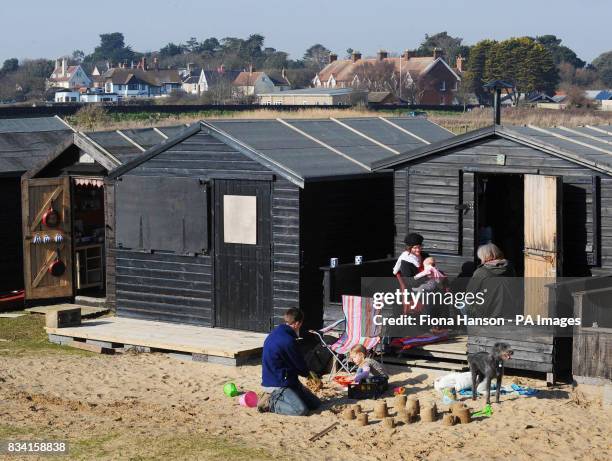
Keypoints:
(70, 70)
(345, 70)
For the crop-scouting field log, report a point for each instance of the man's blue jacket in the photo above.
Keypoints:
(282, 361)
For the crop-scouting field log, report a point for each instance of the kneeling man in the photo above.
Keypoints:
(282, 363)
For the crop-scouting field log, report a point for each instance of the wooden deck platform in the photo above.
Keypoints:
(447, 355)
(229, 347)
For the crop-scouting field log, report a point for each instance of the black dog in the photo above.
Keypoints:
(485, 365)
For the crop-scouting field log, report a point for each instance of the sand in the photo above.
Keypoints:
(149, 397)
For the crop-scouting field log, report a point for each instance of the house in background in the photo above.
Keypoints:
(141, 82)
(434, 80)
(198, 81)
(69, 77)
(249, 83)
(97, 81)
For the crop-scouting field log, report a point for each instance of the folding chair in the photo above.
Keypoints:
(359, 328)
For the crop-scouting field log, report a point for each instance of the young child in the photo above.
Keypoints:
(433, 277)
(366, 367)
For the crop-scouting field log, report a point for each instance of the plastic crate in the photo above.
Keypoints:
(372, 388)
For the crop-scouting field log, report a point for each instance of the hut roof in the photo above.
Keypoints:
(29, 125)
(590, 146)
(304, 150)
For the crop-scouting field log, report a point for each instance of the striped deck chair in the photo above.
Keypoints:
(359, 328)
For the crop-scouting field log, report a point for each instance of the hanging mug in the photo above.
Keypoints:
(333, 262)
(358, 260)
(59, 238)
(50, 218)
(46, 239)
(57, 267)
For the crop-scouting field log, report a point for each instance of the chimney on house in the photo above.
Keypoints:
(189, 67)
(132, 64)
(382, 54)
(63, 67)
(250, 68)
(144, 63)
(333, 57)
(155, 63)
(406, 55)
(459, 63)
(284, 74)
(356, 56)
(57, 65)
(437, 53)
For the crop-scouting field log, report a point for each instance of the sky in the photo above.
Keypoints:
(39, 28)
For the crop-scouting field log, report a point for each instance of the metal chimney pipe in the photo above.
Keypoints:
(497, 106)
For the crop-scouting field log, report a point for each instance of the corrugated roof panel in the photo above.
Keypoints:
(22, 151)
(172, 131)
(422, 128)
(289, 148)
(145, 137)
(383, 132)
(115, 144)
(548, 136)
(29, 125)
(341, 138)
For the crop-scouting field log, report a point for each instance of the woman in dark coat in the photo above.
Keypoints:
(495, 279)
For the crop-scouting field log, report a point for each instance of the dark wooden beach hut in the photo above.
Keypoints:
(64, 213)
(23, 143)
(227, 224)
(543, 194)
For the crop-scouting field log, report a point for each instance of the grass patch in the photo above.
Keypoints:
(27, 334)
(124, 445)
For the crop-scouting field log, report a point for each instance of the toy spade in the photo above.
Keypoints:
(57, 267)
(487, 412)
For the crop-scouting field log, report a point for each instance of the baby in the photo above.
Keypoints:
(366, 367)
(435, 278)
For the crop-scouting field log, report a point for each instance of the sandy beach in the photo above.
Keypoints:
(150, 406)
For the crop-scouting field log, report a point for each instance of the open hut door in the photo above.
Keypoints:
(47, 238)
(543, 207)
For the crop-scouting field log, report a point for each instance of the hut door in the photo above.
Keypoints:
(47, 230)
(243, 290)
(543, 206)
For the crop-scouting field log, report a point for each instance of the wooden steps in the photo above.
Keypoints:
(447, 355)
(86, 311)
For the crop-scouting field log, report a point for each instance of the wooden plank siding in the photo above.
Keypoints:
(285, 248)
(436, 184)
(178, 288)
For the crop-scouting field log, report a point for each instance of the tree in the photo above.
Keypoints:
(559, 53)
(476, 66)
(112, 48)
(10, 65)
(523, 62)
(451, 46)
(603, 64)
(317, 56)
(192, 45)
(78, 56)
(171, 49)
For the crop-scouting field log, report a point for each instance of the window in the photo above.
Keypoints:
(162, 213)
(133, 86)
(240, 219)
(443, 85)
(456, 85)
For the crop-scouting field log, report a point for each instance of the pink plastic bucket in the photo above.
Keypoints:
(248, 399)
